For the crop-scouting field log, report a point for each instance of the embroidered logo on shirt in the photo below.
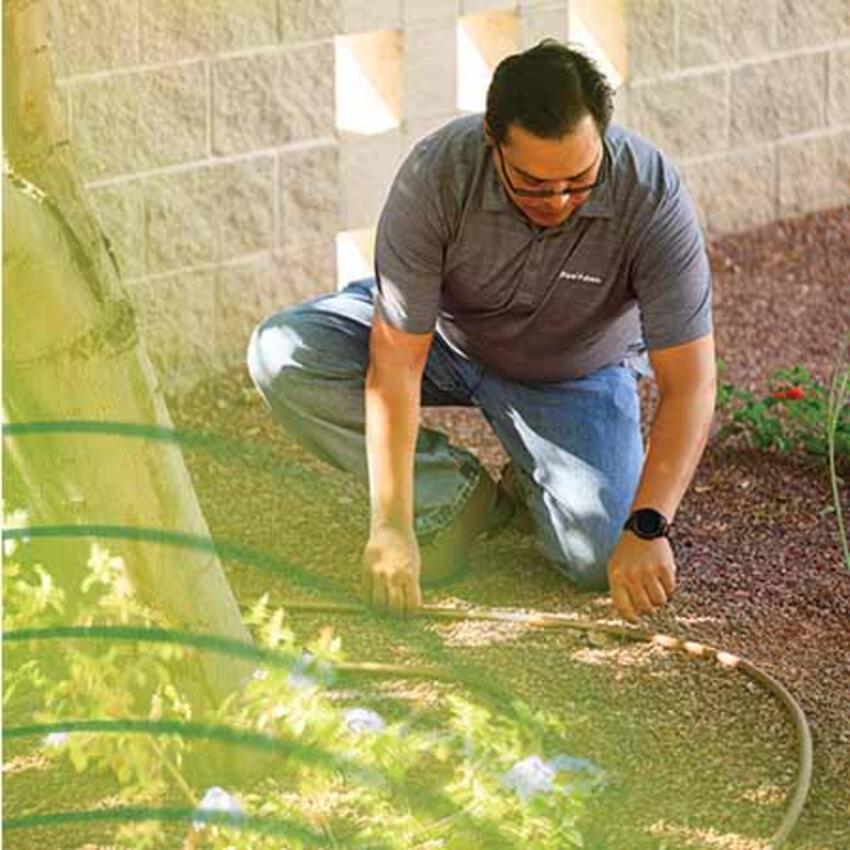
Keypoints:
(580, 277)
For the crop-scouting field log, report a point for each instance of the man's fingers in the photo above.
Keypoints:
(395, 597)
(412, 595)
(415, 595)
(379, 592)
(655, 591)
(668, 580)
(640, 599)
(623, 603)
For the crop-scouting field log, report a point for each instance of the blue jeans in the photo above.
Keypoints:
(576, 445)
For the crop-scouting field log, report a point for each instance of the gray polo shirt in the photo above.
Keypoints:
(626, 272)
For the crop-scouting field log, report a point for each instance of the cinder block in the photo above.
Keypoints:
(131, 122)
(841, 148)
(179, 29)
(309, 192)
(176, 321)
(209, 214)
(368, 15)
(650, 37)
(419, 12)
(838, 107)
(119, 210)
(549, 21)
(368, 165)
(91, 36)
(244, 294)
(686, 116)
(601, 30)
(810, 23)
(430, 69)
(304, 271)
(715, 32)
(309, 20)
(814, 174)
(778, 98)
(489, 38)
(369, 72)
(734, 191)
(270, 100)
(244, 192)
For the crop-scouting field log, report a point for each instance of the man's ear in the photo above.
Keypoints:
(488, 136)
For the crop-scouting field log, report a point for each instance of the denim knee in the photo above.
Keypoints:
(589, 576)
(271, 349)
(586, 566)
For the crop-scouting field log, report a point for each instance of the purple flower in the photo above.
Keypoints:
(364, 720)
(307, 672)
(530, 777)
(217, 800)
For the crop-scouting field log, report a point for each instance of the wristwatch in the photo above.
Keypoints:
(648, 523)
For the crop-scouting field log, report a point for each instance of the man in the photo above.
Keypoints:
(525, 261)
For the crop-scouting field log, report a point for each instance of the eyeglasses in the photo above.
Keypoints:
(548, 193)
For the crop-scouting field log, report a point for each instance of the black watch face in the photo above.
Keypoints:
(648, 522)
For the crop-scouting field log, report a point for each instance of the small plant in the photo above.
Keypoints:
(798, 414)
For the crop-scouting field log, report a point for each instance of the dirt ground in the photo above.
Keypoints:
(698, 755)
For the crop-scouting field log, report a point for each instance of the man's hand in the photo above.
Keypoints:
(642, 574)
(391, 570)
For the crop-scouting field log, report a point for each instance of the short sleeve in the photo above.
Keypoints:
(671, 275)
(409, 253)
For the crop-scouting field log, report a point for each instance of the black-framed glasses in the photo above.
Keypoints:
(548, 193)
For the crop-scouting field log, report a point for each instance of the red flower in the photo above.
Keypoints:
(793, 393)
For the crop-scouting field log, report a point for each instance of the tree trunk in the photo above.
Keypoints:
(71, 352)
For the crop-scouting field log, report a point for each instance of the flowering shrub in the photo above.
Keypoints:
(340, 773)
(798, 414)
(794, 415)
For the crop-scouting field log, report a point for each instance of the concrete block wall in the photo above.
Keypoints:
(222, 145)
(750, 97)
(238, 151)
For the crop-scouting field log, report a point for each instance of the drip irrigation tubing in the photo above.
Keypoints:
(692, 649)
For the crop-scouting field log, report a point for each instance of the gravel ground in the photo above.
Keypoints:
(699, 756)
(703, 758)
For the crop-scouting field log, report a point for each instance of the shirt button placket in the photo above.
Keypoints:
(531, 273)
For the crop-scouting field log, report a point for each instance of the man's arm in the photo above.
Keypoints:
(642, 572)
(687, 384)
(393, 390)
(392, 399)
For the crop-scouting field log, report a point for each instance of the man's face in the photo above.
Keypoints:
(532, 163)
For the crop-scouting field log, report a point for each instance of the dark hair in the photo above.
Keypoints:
(547, 90)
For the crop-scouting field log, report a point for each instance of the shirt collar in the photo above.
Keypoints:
(494, 198)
